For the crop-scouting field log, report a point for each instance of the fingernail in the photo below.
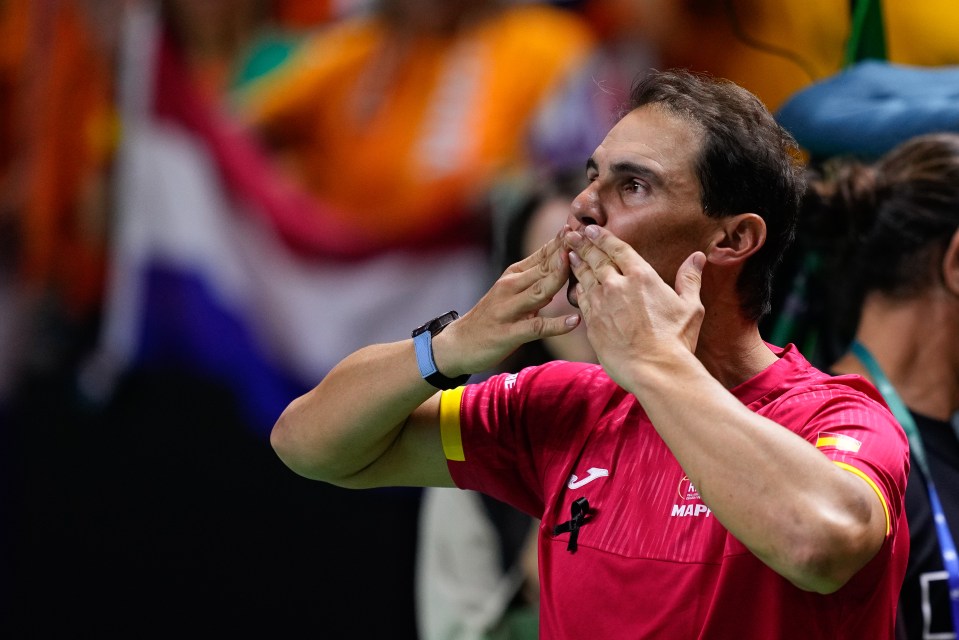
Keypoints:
(699, 261)
(591, 231)
(574, 259)
(574, 238)
(572, 321)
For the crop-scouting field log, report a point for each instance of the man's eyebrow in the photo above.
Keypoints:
(639, 170)
(629, 168)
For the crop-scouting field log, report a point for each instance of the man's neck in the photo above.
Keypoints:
(915, 344)
(732, 350)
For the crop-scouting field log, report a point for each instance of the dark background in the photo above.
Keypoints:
(161, 510)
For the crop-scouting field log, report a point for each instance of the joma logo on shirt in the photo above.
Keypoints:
(691, 510)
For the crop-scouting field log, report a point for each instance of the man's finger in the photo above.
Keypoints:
(547, 264)
(540, 327)
(689, 278)
(582, 270)
(612, 250)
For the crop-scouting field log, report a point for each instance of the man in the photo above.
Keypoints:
(698, 482)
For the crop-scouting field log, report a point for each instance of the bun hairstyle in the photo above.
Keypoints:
(882, 227)
(841, 201)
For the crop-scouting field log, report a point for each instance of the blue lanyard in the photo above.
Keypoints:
(918, 453)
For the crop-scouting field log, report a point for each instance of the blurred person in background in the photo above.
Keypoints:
(576, 119)
(402, 118)
(58, 138)
(888, 235)
(213, 35)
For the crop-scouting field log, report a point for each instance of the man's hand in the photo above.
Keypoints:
(508, 315)
(632, 316)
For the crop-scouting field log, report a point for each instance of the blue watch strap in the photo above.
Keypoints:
(424, 354)
(423, 345)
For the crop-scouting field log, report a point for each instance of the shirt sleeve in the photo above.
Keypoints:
(497, 433)
(856, 430)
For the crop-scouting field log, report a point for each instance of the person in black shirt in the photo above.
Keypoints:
(888, 241)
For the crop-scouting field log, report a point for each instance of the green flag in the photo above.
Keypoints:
(867, 37)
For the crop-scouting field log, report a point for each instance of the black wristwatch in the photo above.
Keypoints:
(423, 342)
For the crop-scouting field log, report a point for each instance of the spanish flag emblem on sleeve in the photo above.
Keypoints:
(838, 441)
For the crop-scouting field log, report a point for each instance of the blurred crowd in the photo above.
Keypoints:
(363, 140)
(337, 91)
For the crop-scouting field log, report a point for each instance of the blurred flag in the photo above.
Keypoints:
(220, 265)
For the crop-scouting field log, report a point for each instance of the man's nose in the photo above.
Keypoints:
(586, 208)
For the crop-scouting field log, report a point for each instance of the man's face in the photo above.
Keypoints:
(644, 189)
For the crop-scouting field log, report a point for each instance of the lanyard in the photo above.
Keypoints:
(918, 453)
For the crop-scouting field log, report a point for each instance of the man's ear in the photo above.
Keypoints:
(737, 238)
(950, 265)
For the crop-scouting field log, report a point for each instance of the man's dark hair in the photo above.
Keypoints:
(747, 163)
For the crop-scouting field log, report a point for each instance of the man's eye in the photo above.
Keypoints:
(636, 186)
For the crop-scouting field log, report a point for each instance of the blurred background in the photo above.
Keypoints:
(205, 204)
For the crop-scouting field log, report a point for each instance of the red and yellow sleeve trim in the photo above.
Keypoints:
(882, 498)
(450, 424)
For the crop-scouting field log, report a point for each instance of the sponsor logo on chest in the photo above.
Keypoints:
(689, 503)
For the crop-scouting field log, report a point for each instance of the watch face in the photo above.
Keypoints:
(436, 324)
(439, 323)
(420, 329)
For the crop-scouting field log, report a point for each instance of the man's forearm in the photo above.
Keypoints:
(354, 416)
(374, 420)
(827, 523)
